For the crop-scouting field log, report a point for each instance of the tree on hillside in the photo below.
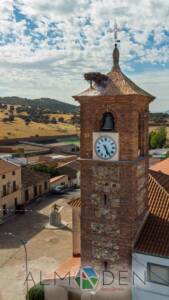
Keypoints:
(45, 119)
(75, 119)
(5, 120)
(27, 120)
(11, 118)
(11, 108)
(159, 118)
(53, 120)
(158, 138)
(5, 106)
(61, 119)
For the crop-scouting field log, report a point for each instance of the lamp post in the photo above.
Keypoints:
(23, 243)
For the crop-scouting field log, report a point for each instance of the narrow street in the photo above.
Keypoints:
(46, 248)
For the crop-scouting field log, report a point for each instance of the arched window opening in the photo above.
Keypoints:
(108, 122)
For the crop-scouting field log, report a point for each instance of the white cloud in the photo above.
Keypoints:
(157, 84)
(6, 9)
(60, 40)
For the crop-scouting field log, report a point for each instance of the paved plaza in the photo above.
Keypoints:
(47, 249)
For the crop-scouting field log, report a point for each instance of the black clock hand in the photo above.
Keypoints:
(107, 152)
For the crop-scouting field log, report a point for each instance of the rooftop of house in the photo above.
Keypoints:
(57, 178)
(7, 167)
(153, 161)
(63, 159)
(162, 166)
(161, 178)
(74, 164)
(154, 236)
(70, 168)
(30, 177)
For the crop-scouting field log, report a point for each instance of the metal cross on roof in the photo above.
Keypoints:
(116, 33)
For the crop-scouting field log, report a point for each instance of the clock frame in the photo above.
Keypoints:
(112, 136)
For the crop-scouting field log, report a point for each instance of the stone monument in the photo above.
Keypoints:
(55, 216)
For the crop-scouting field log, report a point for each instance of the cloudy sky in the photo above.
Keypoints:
(47, 45)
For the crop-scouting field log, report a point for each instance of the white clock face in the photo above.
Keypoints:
(105, 147)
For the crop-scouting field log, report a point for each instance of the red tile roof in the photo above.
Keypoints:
(161, 178)
(154, 237)
(162, 166)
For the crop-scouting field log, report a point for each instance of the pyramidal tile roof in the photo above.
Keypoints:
(116, 84)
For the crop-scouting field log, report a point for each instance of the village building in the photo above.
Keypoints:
(150, 258)
(34, 184)
(66, 148)
(18, 186)
(72, 170)
(10, 188)
(61, 180)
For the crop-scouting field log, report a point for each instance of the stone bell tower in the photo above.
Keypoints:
(114, 166)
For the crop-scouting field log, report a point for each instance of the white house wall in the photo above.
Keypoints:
(149, 290)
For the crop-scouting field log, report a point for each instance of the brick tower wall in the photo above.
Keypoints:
(113, 194)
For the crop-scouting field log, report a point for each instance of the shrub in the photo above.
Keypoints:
(36, 293)
(5, 120)
(158, 138)
(11, 118)
(53, 120)
(61, 120)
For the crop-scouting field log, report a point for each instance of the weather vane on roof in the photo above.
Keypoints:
(116, 33)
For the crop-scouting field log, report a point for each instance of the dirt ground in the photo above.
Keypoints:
(46, 248)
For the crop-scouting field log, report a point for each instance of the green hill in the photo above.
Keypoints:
(43, 103)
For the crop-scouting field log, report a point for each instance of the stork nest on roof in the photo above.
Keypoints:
(98, 78)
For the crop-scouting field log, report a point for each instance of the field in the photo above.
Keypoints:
(19, 129)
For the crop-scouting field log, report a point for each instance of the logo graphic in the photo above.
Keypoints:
(87, 278)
